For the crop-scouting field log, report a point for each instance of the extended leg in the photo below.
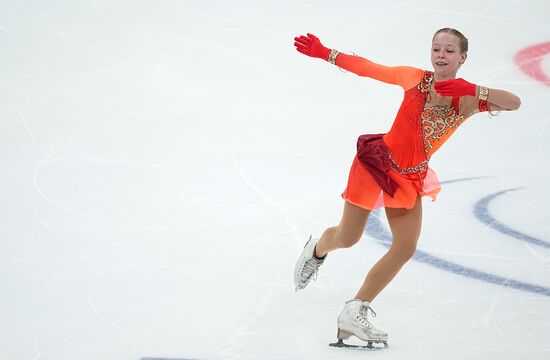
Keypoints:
(347, 233)
(344, 235)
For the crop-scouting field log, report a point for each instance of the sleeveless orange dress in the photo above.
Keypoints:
(391, 170)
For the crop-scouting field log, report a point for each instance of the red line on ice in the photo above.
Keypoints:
(529, 61)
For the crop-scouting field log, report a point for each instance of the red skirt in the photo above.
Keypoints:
(373, 183)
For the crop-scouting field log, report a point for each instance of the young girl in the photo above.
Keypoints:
(391, 170)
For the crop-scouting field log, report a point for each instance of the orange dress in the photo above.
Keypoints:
(391, 170)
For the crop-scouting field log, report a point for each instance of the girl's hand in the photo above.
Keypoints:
(310, 45)
(456, 87)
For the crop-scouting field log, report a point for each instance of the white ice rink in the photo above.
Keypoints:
(163, 162)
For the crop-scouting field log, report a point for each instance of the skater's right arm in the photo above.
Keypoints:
(404, 76)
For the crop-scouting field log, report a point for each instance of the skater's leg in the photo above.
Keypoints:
(405, 226)
(347, 233)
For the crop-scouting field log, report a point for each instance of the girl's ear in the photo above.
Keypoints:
(464, 56)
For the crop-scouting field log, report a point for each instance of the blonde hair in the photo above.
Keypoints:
(462, 39)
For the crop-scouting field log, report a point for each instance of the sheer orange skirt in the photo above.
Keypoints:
(362, 190)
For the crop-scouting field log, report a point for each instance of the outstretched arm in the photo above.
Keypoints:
(404, 76)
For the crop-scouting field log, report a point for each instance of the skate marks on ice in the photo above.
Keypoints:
(376, 229)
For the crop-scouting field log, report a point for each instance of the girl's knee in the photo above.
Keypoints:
(403, 252)
(347, 240)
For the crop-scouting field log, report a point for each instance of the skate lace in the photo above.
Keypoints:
(363, 313)
(311, 268)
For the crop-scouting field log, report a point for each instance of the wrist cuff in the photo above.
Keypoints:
(482, 93)
(332, 56)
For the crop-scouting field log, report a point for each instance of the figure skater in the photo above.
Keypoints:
(391, 170)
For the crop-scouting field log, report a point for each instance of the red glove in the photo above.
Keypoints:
(455, 87)
(311, 46)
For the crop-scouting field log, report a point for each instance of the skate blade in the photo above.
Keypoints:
(371, 345)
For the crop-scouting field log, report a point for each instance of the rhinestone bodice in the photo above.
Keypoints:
(438, 123)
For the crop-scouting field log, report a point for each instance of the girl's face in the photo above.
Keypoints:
(446, 55)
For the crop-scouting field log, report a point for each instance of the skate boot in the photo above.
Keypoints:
(353, 321)
(307, 265)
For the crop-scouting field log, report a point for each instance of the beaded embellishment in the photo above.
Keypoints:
(438, 121)
(424, 85)
(418, 169)
(483, 105)
(332, 56)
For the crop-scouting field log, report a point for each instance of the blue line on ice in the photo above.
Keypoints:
(481, 211)
(376, 229)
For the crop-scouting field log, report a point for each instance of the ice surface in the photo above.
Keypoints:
(162, 164)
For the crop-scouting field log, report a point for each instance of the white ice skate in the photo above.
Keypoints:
(307, 265)
(353, 321)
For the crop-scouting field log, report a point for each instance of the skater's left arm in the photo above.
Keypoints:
(501, 100)
(478, 98)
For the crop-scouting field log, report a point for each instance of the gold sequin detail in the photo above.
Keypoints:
(437, 121)
(424, 85)
(418, 169)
